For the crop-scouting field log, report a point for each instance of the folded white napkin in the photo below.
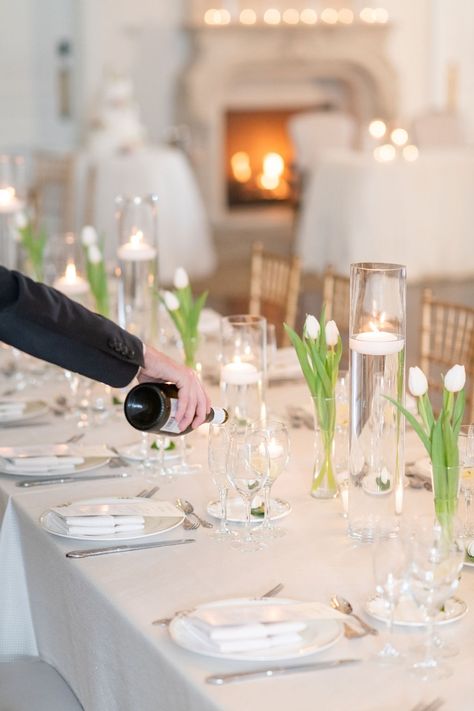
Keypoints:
(97, 525)
(16, 465)
(247, 643)
(12, 406)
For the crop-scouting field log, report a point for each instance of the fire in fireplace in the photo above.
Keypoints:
(259, 158)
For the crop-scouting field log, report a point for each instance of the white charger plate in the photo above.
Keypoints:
(87, 465)
(411, 616)
(318, 636)
(236, 510)
(33, 409)
(153, 524)
(132, 452)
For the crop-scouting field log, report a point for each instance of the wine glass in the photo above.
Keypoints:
(247, 468)
(278, 447)
(390, 564)
(437, 559)
(217, 457)
(466, 452)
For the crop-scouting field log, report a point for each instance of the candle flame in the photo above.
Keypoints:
(136, 238)
(71, 273)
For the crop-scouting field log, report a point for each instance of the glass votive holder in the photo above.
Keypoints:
(69, 270)
(243, 366)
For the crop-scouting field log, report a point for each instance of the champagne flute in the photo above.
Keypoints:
(278, 447)
(217, 457)
(247, 468)
(437, 559)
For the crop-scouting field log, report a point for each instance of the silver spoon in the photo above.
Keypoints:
(187, 508)
(344, 606)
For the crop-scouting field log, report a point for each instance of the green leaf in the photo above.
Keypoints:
(458, 412)
(413, 422)
(319, 367)
(302, 353)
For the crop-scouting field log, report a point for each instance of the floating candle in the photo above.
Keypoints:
(136, 250)
(380, 343)
(71, 283)
(238, 373)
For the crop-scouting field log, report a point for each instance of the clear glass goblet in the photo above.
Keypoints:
(437, 559)
(218, 447)
(247, 468)
(278, 448)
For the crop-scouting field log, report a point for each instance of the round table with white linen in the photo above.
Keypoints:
(417, 213)
(183, 229)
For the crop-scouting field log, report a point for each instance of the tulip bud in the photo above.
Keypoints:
(417, 382)
(311, 327)
(94, 255)
(181, 280)
(171, 301)
(89, 236)
(21, 220)
(455, 379)
(332, 333)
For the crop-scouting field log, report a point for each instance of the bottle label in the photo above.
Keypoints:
(171, 426)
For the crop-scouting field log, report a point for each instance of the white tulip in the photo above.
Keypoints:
(181, 279)
(417, 382)
(21, 220)
(171, 301)
(89, 236)
(311, 327)
(455, 379)
(332, 333)
(94, 255)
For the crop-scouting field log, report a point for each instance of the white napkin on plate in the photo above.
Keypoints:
(11, 408)
(17, 465)
(97, 525)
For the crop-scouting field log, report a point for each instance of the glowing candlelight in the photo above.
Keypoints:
(71, 283)
(239, 373)
(136, 249)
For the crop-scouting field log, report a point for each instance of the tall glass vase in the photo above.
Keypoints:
(377, 372)
(446, 486)
(324, 484)
(138, 301)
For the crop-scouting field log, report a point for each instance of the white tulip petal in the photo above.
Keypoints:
(417, 382)
(171, 301)
(332, 333)
(94, 255)
(181, 279)
(455, 379)
(311, 327)
(89, 236)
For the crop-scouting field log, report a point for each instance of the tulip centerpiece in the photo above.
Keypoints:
(33, 242)
(95, 269)
(185, 311)
(319, 353)
(440, 436)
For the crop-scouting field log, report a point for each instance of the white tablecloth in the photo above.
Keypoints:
(184, 234)
(420, 214)
(92, 618)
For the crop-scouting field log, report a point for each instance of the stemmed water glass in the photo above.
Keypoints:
(391, 564)
(217, 458)
(437, 559)
(278, 448)
(466, 452)
(247, 469)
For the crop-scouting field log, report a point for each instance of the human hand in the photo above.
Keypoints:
(193, 402)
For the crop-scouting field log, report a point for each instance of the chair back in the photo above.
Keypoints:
(336, 297)
(51, 192)
(447, 338)
(314, 132)
(274, 289)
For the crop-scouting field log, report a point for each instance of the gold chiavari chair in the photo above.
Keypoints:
(447, 338)
(336, 296)
(51, 193)
(274, 289)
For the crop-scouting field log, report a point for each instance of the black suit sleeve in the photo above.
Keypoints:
(44, 323)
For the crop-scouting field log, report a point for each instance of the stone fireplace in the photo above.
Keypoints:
(242, 85)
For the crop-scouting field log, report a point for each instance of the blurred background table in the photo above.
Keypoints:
(419, 214)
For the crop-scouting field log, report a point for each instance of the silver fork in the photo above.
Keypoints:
(165, 621)
(148, 493)
(75, 438)
(188, 509)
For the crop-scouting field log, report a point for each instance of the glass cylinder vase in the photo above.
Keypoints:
(243, 366)
(446, 487)
(324, 484)
(67, 269)
(377, 376)
(138, 300)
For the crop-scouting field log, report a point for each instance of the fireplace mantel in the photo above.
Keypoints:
(263, 66)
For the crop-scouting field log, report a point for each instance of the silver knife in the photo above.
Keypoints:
(268, 672)
(124, 549)
(26, 483)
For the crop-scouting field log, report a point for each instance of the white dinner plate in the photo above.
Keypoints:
(153, 524)
(409, 615)
(133, 452)
(236, 510)
(33, 409)
(318, 636)
(87, 465)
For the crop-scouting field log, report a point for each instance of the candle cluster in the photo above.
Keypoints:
(393, 143)
(292, 16)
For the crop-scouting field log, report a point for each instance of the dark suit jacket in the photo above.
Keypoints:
(43, 322)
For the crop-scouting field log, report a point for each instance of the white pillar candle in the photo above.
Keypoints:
(136, 250)
(71, 283)
(238, 373)
(379, 343)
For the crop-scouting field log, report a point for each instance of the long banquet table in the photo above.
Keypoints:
(91, 618)
(420, 214)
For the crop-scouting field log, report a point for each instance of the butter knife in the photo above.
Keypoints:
(26, 483)
(125, 549)
(268, 672)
